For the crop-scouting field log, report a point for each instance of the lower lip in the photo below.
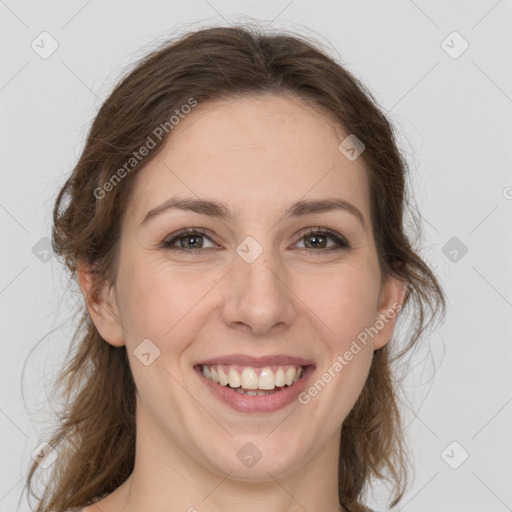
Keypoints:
(257, 404)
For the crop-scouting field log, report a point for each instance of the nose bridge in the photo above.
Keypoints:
(258, 295)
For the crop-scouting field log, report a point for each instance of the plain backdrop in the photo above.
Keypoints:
(441, 70)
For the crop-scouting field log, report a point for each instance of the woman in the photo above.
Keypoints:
(235, 223)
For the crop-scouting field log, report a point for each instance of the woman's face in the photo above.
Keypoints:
(252, 283)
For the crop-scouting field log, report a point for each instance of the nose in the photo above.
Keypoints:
(258, 297)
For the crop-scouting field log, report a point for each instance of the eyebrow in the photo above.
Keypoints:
(221, 211)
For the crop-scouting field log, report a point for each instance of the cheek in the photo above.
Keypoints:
(156, 295)
(167, 306)
(345, 305)
(157, 305)
(344, 301)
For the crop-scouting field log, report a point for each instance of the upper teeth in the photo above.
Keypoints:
(248, 378)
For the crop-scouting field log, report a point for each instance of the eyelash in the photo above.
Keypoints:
(340, 240)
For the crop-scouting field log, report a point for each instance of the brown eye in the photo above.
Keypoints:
(315, 239)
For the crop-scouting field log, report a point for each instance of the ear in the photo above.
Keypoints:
(391, 299)
(101, 303)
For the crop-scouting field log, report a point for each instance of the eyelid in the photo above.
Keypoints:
(341, 242)
(174, 237)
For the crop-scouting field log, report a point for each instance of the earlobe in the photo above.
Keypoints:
(390, 304)
(101, 303)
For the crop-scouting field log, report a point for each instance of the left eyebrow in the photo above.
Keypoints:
(306, 207)
(219, 210)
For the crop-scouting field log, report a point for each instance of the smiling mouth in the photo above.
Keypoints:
(251, 381)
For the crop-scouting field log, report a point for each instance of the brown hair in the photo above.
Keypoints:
(96, 436)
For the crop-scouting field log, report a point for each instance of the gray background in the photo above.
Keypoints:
(453, 115)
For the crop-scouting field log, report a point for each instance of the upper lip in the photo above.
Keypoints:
(257, 362)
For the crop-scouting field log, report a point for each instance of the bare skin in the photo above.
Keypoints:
(257, 155)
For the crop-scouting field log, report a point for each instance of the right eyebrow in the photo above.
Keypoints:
(201, 206)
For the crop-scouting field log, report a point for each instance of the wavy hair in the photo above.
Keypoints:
(96, 436)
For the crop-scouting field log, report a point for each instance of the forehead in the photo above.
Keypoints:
(257, 153)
